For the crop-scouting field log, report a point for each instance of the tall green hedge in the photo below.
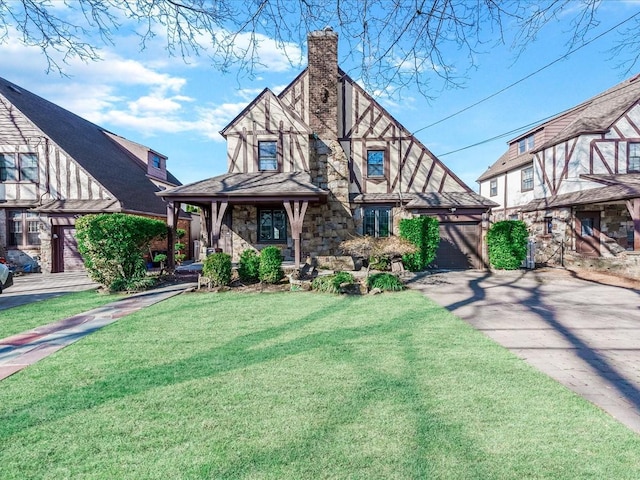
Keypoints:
(217, 267)
(423, 232)
(112, 246)
(270, 270)
(507, 242)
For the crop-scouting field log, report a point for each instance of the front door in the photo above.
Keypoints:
(588, 233)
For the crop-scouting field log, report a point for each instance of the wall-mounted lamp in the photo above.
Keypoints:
(452, 209)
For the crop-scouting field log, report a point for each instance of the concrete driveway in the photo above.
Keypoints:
(584, 334)
(33, 287)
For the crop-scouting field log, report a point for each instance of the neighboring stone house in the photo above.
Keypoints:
(575, 180)
(322, 162)
(55, 167)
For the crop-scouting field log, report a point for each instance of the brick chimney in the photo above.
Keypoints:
(322, 46)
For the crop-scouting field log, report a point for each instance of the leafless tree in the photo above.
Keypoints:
(395, 43)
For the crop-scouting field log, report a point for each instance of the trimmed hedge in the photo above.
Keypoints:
(112, 246)
(217, 267)
(270, 270)
(249, 266)
(507, 242)
(424, 232)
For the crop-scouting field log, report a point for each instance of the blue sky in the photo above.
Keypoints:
(178, 108)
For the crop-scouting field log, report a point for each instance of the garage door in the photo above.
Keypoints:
(71, 258)
(459, 246)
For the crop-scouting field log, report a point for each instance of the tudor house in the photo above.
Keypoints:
(55, 167)
(575, 180)
(322, 162)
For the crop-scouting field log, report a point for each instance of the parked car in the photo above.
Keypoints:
(6, 277)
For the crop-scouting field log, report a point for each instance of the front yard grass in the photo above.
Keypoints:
(25, 317)
(297, 386)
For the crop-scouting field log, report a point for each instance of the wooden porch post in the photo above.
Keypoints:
(295, 211)
(172, 222)
(218, 210)
(633, 206)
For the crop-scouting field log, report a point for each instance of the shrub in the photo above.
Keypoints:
(270, 270)
(425, 234)
(507, 242)
(379, 263)
(331, 283)
(112, 246)
(385, 281)
(217, 267)
(249, 266)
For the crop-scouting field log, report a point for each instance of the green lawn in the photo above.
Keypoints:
(25, 317)
(296, 386)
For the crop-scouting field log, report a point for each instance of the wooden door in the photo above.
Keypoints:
(71, 258)
(588, 233)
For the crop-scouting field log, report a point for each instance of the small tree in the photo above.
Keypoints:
(424, 233)
(507, 242)
(113, 245)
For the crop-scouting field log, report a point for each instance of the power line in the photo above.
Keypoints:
(526, 77)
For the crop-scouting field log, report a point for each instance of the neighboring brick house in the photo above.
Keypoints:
(575, 180)
(323, 161)
(55, 167)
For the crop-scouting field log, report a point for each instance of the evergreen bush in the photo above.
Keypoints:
(249, 266)
(270, 270)
(423, 232)
(331, 283)
(507, 242)
(217, 267)
(112, 246)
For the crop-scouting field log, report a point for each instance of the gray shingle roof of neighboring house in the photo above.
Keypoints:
(250, 184)
(505, 164)
(595, 115)
(118, 170)
(427, 200)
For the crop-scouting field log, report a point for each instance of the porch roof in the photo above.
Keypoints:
(618, 188)
(249, 187)
(80, 206)
(427, 200)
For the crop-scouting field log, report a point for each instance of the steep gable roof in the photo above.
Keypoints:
(116, 169)
(505, 164)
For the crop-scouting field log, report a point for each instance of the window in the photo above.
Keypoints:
(156, 161)
(525, 144)
(23, 228)
(493, 187)
(267, 156)
(527, 179)
(273, 225)
(20, 167)
(377, 222)
(375, 163)
(634, 158)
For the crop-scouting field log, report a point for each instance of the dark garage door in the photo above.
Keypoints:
(459, 246)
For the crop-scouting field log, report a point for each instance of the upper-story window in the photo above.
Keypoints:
(527, 179)
(633, 164)
(375, 163)
(525, 144)
(493, 187)
(18, 167)
(268, 155)
(156, 161)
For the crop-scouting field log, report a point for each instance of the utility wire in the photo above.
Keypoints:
(528, 76)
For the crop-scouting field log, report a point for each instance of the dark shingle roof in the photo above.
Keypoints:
(111, 165)
(504, 164)
(249, 184)
(449, 200)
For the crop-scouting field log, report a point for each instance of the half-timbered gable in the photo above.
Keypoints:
(357, 171)
(582, 173)
(56, 166)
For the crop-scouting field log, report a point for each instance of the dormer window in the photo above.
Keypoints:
(156, 161)
(525, 144)
(268, 156)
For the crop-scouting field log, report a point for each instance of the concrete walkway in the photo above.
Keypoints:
(20, 351)
(584, 334)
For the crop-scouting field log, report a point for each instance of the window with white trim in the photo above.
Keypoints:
(493, 187)
(525, 144)
(268, 156)
(18, 167)
(527, 179)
